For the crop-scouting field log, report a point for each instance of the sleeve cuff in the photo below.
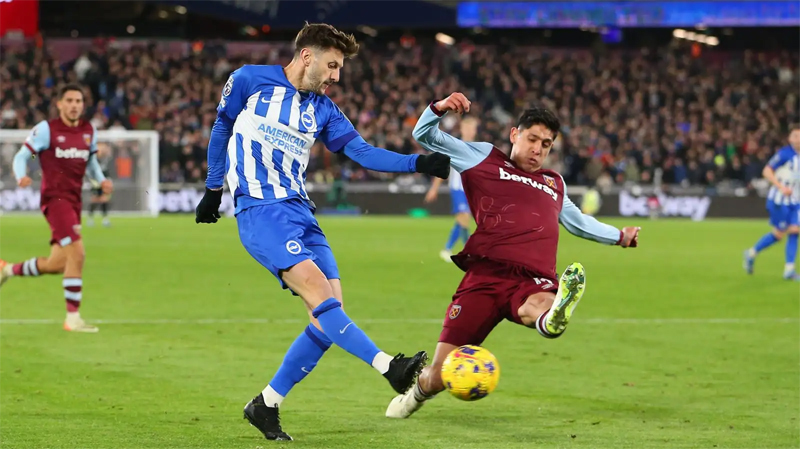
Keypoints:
(435, 110)
(621, 235)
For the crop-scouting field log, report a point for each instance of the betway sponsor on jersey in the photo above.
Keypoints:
(506, 176)
(283, 140)
(695, 207)
(72, 153)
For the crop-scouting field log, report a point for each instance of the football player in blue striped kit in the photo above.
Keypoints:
(268, 119)
(783, 204)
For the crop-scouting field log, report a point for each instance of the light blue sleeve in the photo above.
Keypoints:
(585, 226)
(781, 157)
(93, 144)
(20, 164)
(93, 169)
(463, 155)
(39, 138)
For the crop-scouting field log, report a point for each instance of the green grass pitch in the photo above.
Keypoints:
(673, 346)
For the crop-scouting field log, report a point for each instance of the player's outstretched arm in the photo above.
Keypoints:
(338, 134)
(780, 158)
(463, 155)
(587, 227)
(378, 159)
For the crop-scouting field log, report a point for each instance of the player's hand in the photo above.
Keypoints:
(630, 237)
(107, 186)
(24, 181)
(207, 210)
(455, 102)
(786, 190)
(434, 164)
(431, 196)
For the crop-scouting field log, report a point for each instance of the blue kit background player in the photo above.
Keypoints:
(268, 119)
(460, 207)
(783, 204)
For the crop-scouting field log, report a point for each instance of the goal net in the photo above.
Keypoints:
(129, 158)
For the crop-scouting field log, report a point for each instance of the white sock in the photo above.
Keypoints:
(271, 397)
(752, 252)
(788, 268)
(73, 316)
(381, 362)
(419, 395)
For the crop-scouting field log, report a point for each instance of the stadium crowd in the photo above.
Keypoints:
(624, 113)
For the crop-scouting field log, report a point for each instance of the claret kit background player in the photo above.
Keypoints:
(510, 260)
(66, 147)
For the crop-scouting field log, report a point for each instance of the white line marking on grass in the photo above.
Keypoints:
(599, 321)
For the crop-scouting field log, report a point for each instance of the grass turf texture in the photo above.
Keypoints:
(646, 361)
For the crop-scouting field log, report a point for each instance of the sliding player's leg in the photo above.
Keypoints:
(549, 314)
(477, 307)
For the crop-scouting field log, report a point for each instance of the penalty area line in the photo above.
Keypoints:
(212, 321)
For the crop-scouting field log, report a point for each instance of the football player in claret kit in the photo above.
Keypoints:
(510, 259)
(65, 147)
(268, 119)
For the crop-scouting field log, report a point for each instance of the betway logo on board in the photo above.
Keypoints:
(695, 207)
(72, 153)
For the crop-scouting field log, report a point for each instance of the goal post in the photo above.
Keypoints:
(129, 158)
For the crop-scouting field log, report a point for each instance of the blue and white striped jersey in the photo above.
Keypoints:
(274, 128)
(786, 164)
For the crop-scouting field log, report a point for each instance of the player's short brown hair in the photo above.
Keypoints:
(325, 37)
(70, 88)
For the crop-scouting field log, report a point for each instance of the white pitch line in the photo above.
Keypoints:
(601, 321)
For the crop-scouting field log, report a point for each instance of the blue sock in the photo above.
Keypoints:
(464, 235)
(343, 331)
(791, 249)
(300, 359)
(768, 240)
(454, 234)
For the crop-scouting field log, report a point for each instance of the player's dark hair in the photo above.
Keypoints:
(325, 37)
(539, 116)
(72, 87)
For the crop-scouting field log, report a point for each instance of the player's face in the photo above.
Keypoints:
(70, 106)
(794, 139)
(324, 70)
(530, 146)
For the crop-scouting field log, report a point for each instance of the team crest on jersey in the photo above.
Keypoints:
(61, 139)
(308, 119)
(228, 87)
(87, 138)
(550, 181)
(455, 310)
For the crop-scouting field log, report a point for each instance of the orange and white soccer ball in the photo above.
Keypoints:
(470, 372)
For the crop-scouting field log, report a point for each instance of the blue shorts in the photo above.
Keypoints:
(459, 200)
(281, 235)
(781, 216)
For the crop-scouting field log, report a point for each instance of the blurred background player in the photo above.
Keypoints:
(66, 147)
(100, 199)
(268, 118)
(783, 204)
(510, 260)
(469, 129)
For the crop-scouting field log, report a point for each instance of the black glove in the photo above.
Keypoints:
(207, 210)
(434, 164)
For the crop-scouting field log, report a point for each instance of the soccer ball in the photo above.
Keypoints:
(470, 372)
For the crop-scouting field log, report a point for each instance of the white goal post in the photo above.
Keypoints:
(130, 159)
